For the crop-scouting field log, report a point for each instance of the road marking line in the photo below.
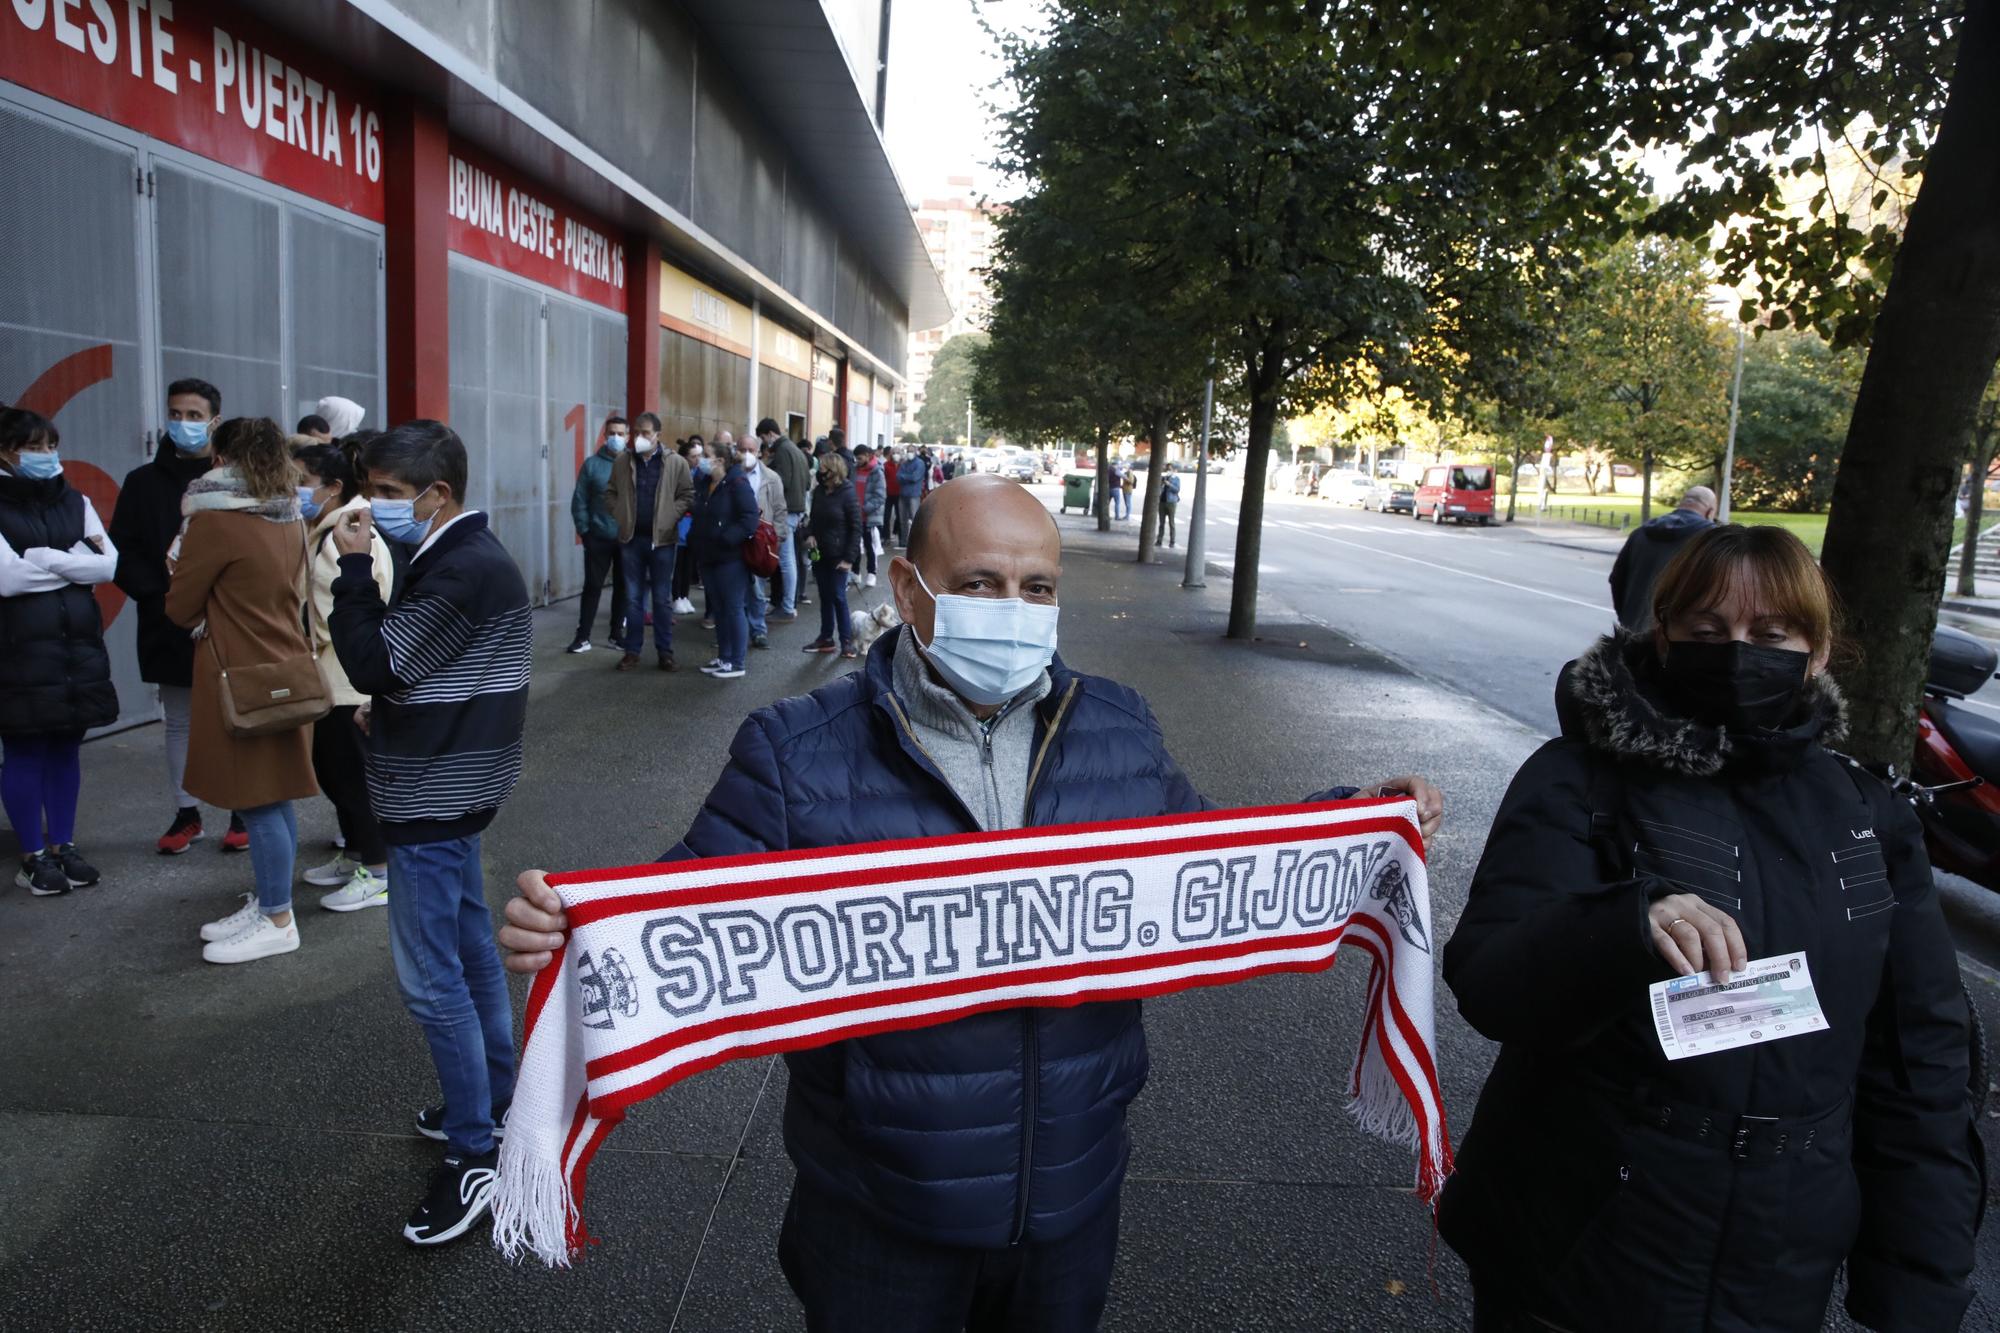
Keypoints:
(1454, 569)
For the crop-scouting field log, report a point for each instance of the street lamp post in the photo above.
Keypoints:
(1196, 573)
(1729, 449)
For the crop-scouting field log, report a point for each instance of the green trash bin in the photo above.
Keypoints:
(1076, 491)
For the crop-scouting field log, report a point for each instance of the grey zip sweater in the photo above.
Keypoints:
(986, 762)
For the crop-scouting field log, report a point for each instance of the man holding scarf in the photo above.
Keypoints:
(965, 1174)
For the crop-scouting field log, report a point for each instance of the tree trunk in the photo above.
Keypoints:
(1935, 344)
(1514, 482)
(1250, 521)
(1102, 489)
(1975, 505)
(1645, 482)
(1156, 472)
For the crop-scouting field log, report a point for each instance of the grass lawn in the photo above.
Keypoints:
(1621, 512)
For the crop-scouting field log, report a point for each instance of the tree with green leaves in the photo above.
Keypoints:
(1798, 393)
(948, 389)
(1325, 209)
(1771, 115)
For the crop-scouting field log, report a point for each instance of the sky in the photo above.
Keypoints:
(941, 68)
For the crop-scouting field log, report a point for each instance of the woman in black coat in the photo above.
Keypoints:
(834, 532)
(55, 676)
(1689, 818)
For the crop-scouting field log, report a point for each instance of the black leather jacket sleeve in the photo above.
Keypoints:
(1545, 947)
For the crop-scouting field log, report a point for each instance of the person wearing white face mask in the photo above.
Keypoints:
(447, 663)
(55, 682)
(652, 490)
(143, 527)
(967, 1173)
(597, 529)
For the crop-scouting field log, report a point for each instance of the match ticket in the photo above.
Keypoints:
(1768, 999)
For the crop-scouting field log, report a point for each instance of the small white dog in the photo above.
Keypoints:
(868, 626)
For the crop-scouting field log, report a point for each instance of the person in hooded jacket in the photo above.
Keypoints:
(725, 516)
(55, 676)
(1649, 548)
(1691, 817)
(968, 1173)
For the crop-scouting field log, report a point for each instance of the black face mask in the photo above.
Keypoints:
(1737, 685)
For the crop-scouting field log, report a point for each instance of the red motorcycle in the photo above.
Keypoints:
(1955, 776)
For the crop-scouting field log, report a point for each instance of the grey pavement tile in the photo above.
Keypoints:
(116, 1223)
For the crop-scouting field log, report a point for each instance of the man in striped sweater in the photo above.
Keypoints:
(447, 665)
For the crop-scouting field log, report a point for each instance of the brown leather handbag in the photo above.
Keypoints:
(271, 697)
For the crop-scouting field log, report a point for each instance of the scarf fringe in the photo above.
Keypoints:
(534, 1211)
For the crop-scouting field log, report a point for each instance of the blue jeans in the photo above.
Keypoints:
(834, 622)
(788, 565)
(756, 601)
(1121, 502)
(728, 585)
(39, 784)
(274, 851)
(448, 968)
(641, 561)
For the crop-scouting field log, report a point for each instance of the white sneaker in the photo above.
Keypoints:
(333, 874)
(728, 673)
(867, 580)
(235, 921)
(683, 607)
(364, 889)
(262, 938)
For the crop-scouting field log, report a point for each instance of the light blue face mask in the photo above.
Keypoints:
(615, 443)
(989, 649)
(40, 465)
(399, 522)
(308, 506)
(190, 437)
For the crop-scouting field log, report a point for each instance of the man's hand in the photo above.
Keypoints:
(1430, 801)
(363, 715)
(1691, 936)
(535, 924)
(354, 533)
(844, 567)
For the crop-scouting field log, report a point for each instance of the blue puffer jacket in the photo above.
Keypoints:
(997, 1128)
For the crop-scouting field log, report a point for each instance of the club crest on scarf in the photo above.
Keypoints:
(672, 969)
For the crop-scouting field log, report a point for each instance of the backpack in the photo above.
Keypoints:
(760, 553)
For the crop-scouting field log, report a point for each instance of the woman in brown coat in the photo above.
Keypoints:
(238, 583)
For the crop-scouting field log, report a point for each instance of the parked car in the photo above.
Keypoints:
(1019, 466)
(1391, 497)
(1461, 492)
(1345, 488)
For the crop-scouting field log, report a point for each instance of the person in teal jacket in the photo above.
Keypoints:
(590, 510)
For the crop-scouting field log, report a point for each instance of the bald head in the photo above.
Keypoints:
(1701, 500)
(978, 536)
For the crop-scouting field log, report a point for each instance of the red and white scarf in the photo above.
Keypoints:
(675, 968)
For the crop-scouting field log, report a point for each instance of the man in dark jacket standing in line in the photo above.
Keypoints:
(143, 527)
(1648, 550)
(651, 491)
(967, 1172)
(784, 458)
(447, 665)
(590, 511)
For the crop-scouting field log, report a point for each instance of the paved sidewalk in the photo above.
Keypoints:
(192, 1147)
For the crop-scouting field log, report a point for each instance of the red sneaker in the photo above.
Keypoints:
(238, 837)
(184, 833)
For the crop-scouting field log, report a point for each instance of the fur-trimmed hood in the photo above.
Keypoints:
(1607, 698)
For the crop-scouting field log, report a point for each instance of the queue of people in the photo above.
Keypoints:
(677, 518)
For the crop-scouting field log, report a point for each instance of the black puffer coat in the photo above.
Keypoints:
(836, 524)
(143, 526)
(54, 673)
(1602, 1186)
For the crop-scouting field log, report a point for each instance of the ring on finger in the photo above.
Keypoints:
(1677, 921)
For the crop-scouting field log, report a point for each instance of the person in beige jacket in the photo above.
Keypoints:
(330, 487)
(650, 492)
(238, 583)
